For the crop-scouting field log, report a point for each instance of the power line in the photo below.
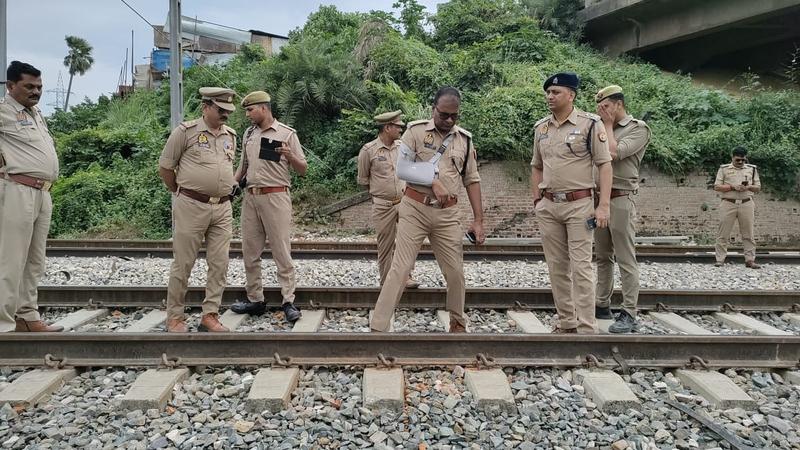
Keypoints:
(164, 35)
(137, 13)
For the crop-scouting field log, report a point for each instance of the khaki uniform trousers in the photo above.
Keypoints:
(384, 219)
(729, 213)
(567, 244)
(194, 221)
(268, 216)
(443, 229)
(24, 222)
(617, 243)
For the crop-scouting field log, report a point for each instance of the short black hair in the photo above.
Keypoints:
(16, 69)
(445, 91)
(739, 151)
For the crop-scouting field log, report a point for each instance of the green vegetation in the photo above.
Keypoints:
(340, 69)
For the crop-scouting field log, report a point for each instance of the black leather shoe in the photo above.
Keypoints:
(625, 323)
(291, 312)
(248, 307)
(601, 312)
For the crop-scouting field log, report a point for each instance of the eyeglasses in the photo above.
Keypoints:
(445, 116)
(739, 159)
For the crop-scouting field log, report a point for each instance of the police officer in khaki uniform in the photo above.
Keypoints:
(197, 165)
(376, 172)
(566, 145)
(627, 142)
(737, 182)
(428, 206)
(28, 167)
(270, 149)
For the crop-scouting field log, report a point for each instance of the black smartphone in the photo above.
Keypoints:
(745, 183)
(471, 236)
(268, 150)
(591, 223)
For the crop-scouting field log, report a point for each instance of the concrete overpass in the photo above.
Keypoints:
(685, 34)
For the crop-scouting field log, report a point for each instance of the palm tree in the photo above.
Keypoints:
(78, 60)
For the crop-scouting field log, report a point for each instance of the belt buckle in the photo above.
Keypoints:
(214, 200)
(559, 197)
(430, 201)
(396, 201)
(738, 201)
(46, 185)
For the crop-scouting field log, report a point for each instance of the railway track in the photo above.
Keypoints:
(495, 249)
(388, 360)
(349, 348)
(365, 297)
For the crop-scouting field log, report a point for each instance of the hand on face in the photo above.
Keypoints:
(607, 111)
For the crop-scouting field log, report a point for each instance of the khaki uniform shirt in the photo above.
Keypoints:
(632, 137)
(25, 142)
(202, 162)
(728, 174)
(376, 169)
(422, 137)
(264, 173)
(562, 153)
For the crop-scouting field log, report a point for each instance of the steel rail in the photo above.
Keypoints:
(365, 297)
(425, 254)
(417, 349)
(367, 250)
(491, 244)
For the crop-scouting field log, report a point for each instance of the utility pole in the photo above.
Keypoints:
(133, 66)
(3, 40)
(175, 64)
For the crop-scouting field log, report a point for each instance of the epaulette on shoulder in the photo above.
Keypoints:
(370, 144)
(189, 124)
(725, 166)
(751, 165)
(230, 130)
(589, 115)
(287, 127)
(465, 132)
(541, 121)
(416, 122)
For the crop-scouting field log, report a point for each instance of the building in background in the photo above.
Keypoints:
(202, 43)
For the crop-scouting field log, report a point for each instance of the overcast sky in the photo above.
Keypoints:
(36, 31)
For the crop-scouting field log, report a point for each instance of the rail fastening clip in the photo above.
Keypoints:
(53, 362)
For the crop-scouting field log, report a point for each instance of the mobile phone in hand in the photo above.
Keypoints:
(471, 236)
(591, 223)
(745, 183)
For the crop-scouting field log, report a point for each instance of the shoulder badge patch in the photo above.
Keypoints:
(602, 136)
(428, 141)
(202, 140)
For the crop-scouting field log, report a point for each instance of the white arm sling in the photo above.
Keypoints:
(419, 172)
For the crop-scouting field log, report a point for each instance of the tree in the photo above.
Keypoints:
(411, 16)
(78, 60)
(558, 16)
